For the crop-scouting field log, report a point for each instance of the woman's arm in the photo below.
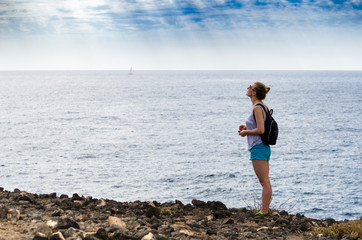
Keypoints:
(259, 118)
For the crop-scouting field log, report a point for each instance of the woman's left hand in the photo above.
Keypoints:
(242, 133)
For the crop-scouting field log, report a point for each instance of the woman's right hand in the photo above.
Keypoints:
(242, 127)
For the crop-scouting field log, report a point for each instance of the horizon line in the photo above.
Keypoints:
(140, 70)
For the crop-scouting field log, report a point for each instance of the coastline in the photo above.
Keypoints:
(26, 215)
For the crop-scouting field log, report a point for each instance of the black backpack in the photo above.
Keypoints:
(270, 135)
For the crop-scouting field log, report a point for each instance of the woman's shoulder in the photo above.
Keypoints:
(257, 106)
(259, 109)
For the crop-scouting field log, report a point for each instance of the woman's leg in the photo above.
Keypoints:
(261, 168)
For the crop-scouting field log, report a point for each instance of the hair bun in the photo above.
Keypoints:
(267, 89)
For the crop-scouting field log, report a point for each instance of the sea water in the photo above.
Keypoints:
(167, 135)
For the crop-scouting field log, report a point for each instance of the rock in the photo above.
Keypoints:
(259, 218)
(53, 195)
(330, 221)
(149, 236)
(90, 237)
(249, 214)
(240, 217)
(40, 236)
(52, 223)
(72, 233)
(284, 213)
(102, 203)
(181, 205)
(84, 218)
(216, 205)
(4, 200)
(77, 204)
(198, 214)
(306, 226)
(48, 196)
(198, 203)
(250, 235)
(153, 211)
(187, 232)
(155, 222)
(4, 212)
(66, 222)
(13, 215)
(101, 234)
(228, 221)
(66, 203)
(211, 231)
(56, 236)
(221, 214)
(44, 229)
(262, 228)
(142, 232)
(58, 213)
(281, 221)
(275, 214)
(76, 197)
(25, 198)
(152, 204)
(116, 222)
(22, 202)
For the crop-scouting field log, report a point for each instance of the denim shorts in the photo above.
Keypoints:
(260, 152)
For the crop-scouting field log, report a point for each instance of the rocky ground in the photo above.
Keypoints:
(48, 216)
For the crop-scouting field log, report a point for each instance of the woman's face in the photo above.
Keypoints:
(251, 90)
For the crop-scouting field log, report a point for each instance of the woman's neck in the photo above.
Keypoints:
(255, 101)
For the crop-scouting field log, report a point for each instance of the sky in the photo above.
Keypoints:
(180, 34)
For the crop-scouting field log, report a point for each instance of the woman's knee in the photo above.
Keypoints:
(265, 182)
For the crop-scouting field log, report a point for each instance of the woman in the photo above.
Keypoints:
(259, 152)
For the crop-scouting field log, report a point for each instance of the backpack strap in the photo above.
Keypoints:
(265, 110)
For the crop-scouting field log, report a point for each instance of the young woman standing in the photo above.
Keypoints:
(259, 152)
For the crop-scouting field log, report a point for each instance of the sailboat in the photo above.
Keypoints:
(130, 72)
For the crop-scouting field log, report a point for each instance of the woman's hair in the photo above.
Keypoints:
(261, 90)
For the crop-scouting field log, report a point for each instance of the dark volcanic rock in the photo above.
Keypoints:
(56, 236)
(76, 197)
(216, 205)
(198, 203)
(45, 216)
(66, 222)
(153, 211)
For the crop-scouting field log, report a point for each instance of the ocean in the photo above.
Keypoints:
(167, 135)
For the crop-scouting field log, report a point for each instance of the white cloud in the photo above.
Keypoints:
(108, 34)
(69, 16)
(47, 16)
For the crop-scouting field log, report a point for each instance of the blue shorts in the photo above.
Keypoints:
(260, 152)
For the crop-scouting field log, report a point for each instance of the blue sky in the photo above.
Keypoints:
(181, 35)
